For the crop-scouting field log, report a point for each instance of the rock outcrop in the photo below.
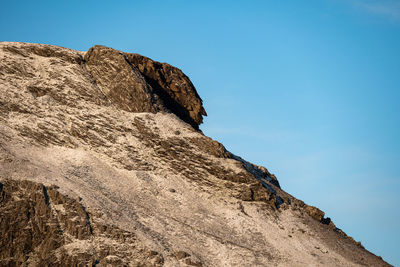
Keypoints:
(173, 86)
(41, 227)
(102, 163)
(138, 84)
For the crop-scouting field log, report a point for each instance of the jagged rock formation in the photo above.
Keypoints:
(139, 84)
(102, 162)
(43, 227)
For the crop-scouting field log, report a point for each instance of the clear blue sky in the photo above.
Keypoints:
(309, 89)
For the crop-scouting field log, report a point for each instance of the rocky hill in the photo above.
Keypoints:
(102, 163)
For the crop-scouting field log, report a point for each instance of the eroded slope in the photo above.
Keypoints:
(107, 127)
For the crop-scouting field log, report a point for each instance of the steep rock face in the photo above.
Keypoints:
(173, 85)
(41, 227)
(139, 84)
(108, 158)
(120, 81)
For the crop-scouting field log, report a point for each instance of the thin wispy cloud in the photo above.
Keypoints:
(389, 9)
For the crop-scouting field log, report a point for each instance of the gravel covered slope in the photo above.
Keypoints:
(104, 148)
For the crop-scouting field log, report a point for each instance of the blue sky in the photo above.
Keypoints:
(309, 89)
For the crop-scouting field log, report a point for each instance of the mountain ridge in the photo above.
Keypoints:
(111, 128)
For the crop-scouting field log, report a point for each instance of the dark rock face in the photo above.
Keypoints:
(138, 84)
(38, 225)
(17, 212)
(120, 82)
(173, 86)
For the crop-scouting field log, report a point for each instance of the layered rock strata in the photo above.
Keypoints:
(102, 163)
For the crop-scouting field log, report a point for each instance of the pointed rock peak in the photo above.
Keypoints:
(138, 84)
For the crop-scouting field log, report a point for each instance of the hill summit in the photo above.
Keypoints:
(102, 163)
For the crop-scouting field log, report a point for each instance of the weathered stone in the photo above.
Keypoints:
(145, 183)
(315, 213)
(120, 82)
(173, 87)
(138, 84)
(37, 223)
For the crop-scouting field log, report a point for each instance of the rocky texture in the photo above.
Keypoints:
(173, 86)
(139, 84)
(88, 143)
(41, 227)
(120, 81)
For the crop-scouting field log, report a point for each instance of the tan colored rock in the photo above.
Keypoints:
(119, 81)
(98, 175)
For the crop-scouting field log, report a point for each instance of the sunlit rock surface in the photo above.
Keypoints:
(102, 163)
